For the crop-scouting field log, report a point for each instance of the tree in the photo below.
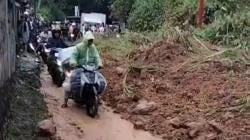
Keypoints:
(200, 12)
(61, 8)
(120, 9)
(147, 15)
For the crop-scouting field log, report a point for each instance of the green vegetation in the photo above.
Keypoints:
(228, 30)
(120, 9)
(230, 54)
(147, 15)
(119, 48)
(59, 9)
(230, 24)
(227, 22)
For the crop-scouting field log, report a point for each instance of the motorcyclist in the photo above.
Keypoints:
(45, 34)
(86, 54)
(71, 31)
(56, 40)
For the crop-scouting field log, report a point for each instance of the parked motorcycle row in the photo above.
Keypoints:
(86, 82)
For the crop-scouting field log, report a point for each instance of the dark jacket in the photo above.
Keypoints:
(56, 43)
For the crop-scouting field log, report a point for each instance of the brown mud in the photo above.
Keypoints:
(204, 101)
(72, 123)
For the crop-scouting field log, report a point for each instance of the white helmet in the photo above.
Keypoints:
(57, 27)
(53, 26)
(89, 35)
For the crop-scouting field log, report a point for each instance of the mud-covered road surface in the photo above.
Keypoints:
(73, 124)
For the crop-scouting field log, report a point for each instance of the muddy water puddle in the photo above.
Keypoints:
(73, 123)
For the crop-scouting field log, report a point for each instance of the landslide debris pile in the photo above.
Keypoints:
(208, 100)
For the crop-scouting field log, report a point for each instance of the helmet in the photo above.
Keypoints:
(53, 27)
(26, 13)
(57, 27)
(89, 35)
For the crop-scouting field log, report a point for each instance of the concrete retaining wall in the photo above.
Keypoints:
(7, 55)
(7, 40)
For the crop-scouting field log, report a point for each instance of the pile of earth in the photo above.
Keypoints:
(207, 101)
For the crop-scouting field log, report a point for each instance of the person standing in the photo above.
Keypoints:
(25, 30)
(102, 30)
(93, 28)
(83, 29)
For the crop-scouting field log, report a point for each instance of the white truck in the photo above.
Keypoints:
(93, 18)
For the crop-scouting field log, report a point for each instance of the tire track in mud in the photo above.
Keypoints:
(73, 124)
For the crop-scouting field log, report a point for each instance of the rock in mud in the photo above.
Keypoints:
(205, 136)
(136, 98)
(196, 127)
(138, 125)
(120, 108)
(122, 99)
(120, 71)
(216, 126)
(46, 128)
(204, 130)
(212, 136)
(248, 73)
(228, 115)
(144, 107)
(176, 123)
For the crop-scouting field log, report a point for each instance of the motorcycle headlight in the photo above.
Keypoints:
(47, 50)
(59, 63)
(56, 54)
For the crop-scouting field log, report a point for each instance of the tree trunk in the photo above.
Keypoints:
(200, 16)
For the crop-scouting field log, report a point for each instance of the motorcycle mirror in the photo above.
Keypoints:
(32, 47)
(59, 63)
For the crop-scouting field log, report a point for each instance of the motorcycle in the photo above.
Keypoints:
(71, 37)
(38, 48)
(75, 35)
(86, 85)
(32, 45)
(42, 50)
(55, 67)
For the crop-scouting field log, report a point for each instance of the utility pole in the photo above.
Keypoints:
(200, 16)
(35, 7)
(38, 5)
(79, 9)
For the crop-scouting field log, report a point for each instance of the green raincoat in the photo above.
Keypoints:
(87, 55)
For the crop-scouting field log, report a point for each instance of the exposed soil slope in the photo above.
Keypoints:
(207, 100)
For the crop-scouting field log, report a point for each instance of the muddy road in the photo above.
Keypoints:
(73, 124)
